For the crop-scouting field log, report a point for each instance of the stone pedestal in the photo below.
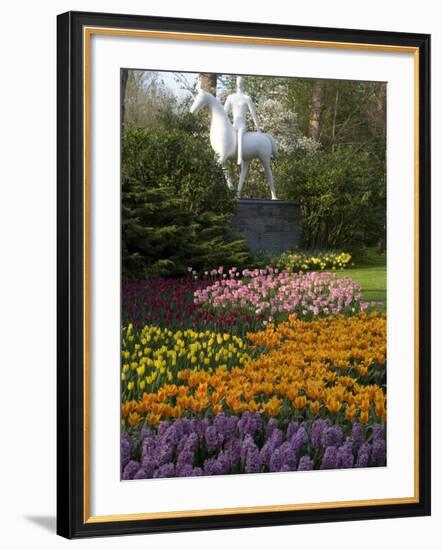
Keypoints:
(270, 226)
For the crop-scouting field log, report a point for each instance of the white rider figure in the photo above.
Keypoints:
(240, 103)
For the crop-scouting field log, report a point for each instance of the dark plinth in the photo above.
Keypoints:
(266, 225)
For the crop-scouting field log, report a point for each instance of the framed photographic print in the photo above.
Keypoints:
(243, 241)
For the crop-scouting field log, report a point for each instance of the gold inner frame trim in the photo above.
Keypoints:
(87, 34)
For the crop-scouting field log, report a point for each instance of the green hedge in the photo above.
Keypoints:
(176, 207)
(341, 195)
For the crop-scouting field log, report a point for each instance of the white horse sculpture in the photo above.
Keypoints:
(223, 139)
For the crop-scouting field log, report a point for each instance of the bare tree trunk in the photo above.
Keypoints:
(123, 86)
(335, 112)
(316, 102)
(208, 82)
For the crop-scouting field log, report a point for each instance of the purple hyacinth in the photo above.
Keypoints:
(184, 470)
(165, 447)
(184, 458)
(126, 446)
(148, 464)
(162, 427)
(275, 462)
(186, 425)
(271, 425)
(225, 426)
(379, 453)
(166, 470)
(148, 460)
(243, 424)
(253, 462)
(141, 474)
(233, 447)
(256, 423)
(288, 455)
(199, 426)
(332, 436)
(377, 431)
(145, 432)
(188, 442)
(345, 455)
(363, 457)
(224, 462)
(249, 424)
(272, 443)
(212, 467)
(292, 428)
(357, 433)
(231, 426)
(188, 471)
(305, 463)
(182, 443)
(148, 445)
(191, 442)
(179, 430)
(212, 439)
(131, 469)
(220, 422)
(300, 440)
(330, 459)
(277, 437)
(317, 430)
(246, 443)
(229, 444)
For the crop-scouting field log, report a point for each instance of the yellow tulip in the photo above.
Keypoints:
(140, 370)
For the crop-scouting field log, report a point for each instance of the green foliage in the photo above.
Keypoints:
(176, 207)
(341, 195)
(178, 161)
(352, 112)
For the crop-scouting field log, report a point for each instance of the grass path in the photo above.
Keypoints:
(372, 276)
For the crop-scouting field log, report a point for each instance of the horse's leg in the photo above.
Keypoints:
(227, 175)
(269, 176)
(242, 177)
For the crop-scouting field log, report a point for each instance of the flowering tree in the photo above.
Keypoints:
(279, 120)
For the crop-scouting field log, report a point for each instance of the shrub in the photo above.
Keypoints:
(176, 207)
(341, 195)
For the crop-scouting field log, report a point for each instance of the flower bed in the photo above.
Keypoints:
(154, 357)
(169, 303)
(248, 444)
(251, 371)
(302, 261)
(297, 370)
(270, 295)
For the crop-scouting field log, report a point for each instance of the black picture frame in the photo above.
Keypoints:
(71, 498)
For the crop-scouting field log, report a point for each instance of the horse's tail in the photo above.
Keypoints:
(273, 144)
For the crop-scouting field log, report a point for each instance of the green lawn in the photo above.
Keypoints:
(372, 276)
